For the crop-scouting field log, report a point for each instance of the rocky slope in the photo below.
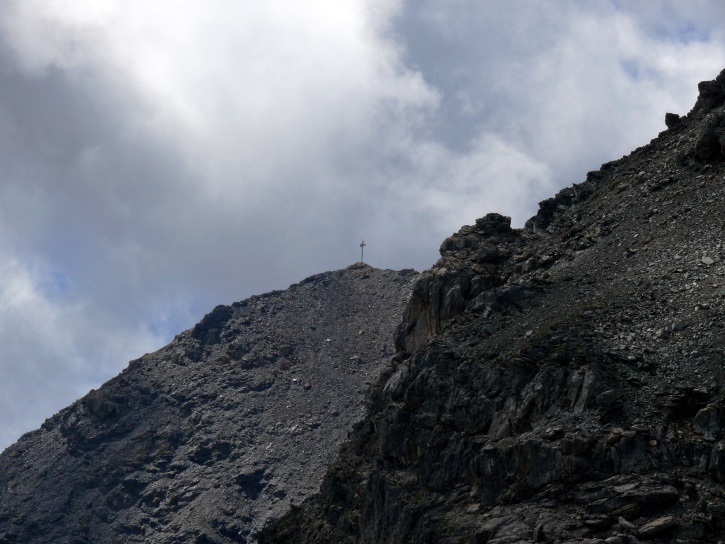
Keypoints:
(210, 437)
(559, 383)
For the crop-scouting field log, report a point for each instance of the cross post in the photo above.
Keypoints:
(362, 250)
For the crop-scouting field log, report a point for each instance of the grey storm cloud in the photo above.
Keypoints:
(159, 158)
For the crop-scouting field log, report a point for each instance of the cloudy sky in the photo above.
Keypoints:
(160, 157)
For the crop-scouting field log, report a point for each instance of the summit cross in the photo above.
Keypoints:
(362, 250)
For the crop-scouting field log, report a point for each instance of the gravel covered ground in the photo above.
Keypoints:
(208, 438)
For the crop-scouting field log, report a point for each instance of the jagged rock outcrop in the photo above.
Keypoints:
(210, 437)
(475, 262)
(559, 383)
(712, 95)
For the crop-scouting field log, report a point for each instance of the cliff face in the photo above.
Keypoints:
(558, 383)
(210, 437)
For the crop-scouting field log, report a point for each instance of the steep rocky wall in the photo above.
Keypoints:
(474, 261)
(570, 389)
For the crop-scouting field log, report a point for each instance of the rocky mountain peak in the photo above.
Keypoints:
(563, 382)
(712, 95)
(210, 437)
(559, 383)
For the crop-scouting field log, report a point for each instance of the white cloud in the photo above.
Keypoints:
(51, 349)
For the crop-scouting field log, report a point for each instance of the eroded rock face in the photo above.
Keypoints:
(474, 263)
(558, 383)
(712, 94)
(212, 436)
(710, 145)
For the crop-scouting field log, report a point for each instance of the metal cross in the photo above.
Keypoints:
(362, 250)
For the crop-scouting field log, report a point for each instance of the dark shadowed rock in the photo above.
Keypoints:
(712, 94)
(710, 143)
(559, 383)
(657, 526)
(672, 120)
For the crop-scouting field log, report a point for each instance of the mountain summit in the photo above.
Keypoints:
(214, 434)
(564, 382)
